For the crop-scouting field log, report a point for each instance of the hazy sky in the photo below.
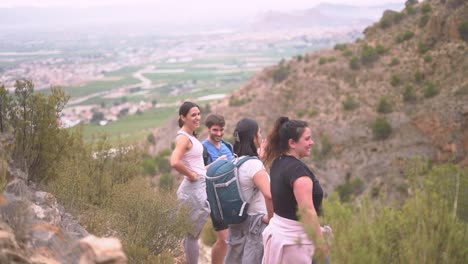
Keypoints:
(197, 4)
(183, 11)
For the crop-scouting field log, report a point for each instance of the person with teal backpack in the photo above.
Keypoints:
(239, 194)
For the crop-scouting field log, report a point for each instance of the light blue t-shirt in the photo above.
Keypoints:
(215, 153)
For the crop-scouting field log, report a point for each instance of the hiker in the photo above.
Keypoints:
(295, 190)
(217, 148)
(187, 159)
(245, 239)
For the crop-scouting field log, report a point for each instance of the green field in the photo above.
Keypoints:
(131, 128)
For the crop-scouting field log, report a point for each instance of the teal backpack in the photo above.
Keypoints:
(227, 202)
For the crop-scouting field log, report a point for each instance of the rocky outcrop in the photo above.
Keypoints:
(35, 229)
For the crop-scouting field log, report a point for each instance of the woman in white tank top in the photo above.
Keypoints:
(187, 159)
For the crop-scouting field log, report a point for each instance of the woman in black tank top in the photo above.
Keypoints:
(295, 191)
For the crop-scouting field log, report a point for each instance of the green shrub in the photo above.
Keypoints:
(398, 17)
(418, 76)
(347, 53)
(368, 55)
(385, 22)
(349, 103)
(331, 59)
(407, 35)
(350, 189)
(208, 234)
(340, 47)
(430, 90)
(426, 8)
(381, 50)
(424, 47)
(39, 141)
(394, 62)
(408, 93)
(280, 73)
(381, 128)
(424, 229)
(410, 10)
(148, 166)
(166, 182)
(423, 20)
(463, 30)
(354, 63)
(5, 106)
(395, 81)
(234, 101)
(428, 59)
(312, 112)
(322, 60)
(384, 106)
(147, 219)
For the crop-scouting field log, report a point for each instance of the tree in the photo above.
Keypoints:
(39, 142)
(5, 101)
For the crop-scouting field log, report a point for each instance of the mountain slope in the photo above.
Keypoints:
(415, 60)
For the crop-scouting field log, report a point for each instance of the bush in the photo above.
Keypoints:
(280, 73)
(395, 81)
(427, 59)
(354, 63)
(407, 35)
(381, 50)
(423, 230)
(350, 189)
(408, 94)
(426, 8)
(430, 90)
(384, 106)
(394, 62)
(166, 182)
(322, 60)
(463, 30)
(381, 128)
(423, 20)
(418, 76)
(208, 234)
(349, 103)
(5, 106)
(39, 142)
(368, 55)
(148, 220)
(234, 101)
(347, 53)
(340, 47)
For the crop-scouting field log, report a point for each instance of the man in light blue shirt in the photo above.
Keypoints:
(215, 147)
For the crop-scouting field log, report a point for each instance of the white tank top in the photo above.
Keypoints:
(193, 158)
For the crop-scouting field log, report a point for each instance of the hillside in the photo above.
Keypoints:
(415, 61)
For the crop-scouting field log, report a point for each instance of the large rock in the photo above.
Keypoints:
(101, 250)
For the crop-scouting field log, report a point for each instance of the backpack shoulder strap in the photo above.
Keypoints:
(241, 161)
(238, 163)
(229, 146)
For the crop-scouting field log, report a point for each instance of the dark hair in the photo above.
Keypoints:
(183, 111)
(215, 119)
(277, 140)
(244, 134)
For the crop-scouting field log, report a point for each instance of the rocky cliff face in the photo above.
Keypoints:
(428, 59)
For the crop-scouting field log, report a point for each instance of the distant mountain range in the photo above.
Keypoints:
(323, 15)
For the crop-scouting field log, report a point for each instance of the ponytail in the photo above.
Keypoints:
(278, 138)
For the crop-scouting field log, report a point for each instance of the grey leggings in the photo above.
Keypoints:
(191, 249)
